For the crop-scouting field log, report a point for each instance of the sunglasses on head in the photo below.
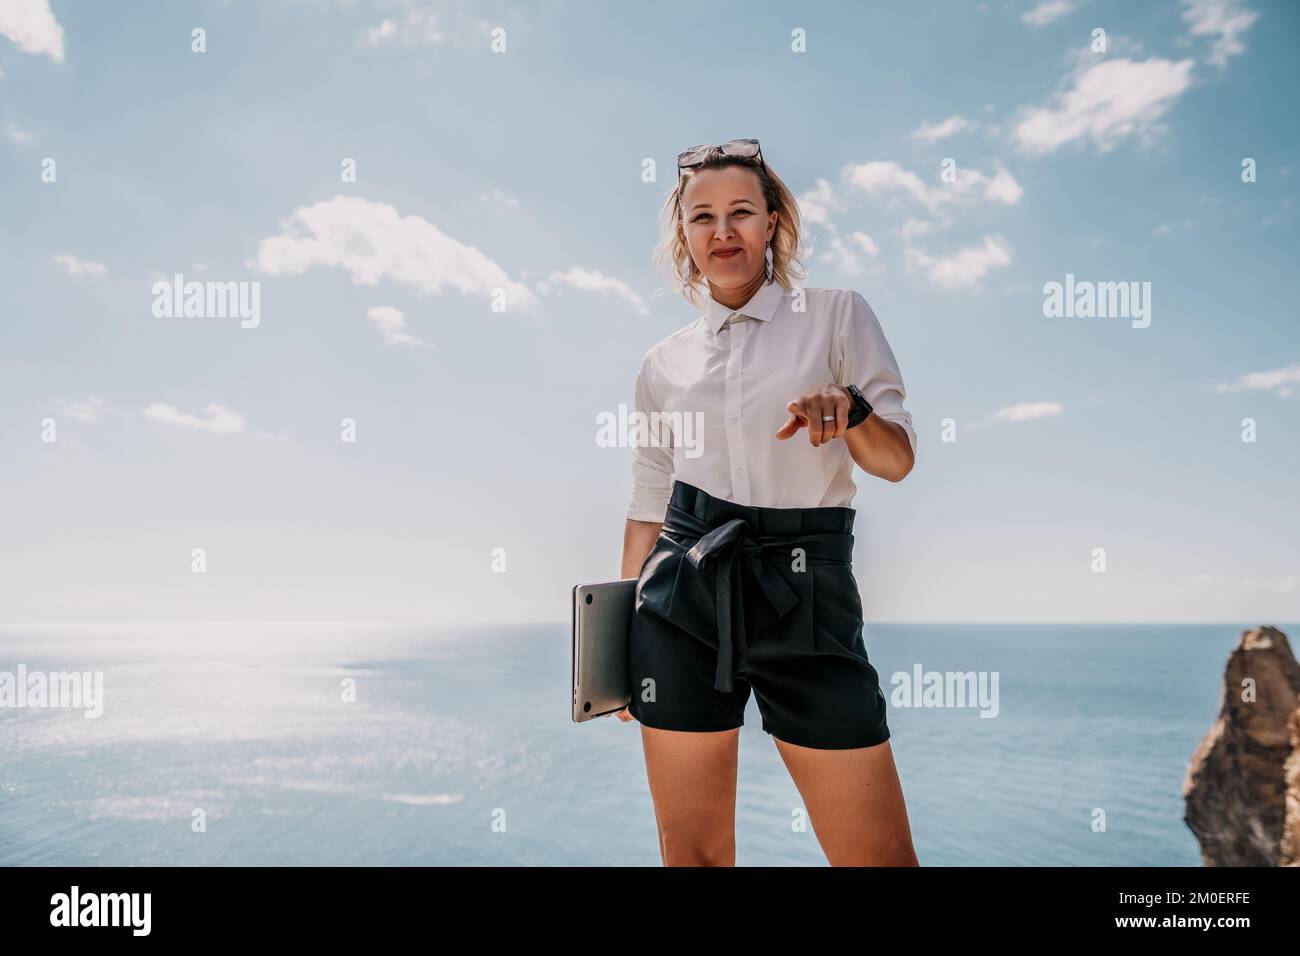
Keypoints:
(696, 155)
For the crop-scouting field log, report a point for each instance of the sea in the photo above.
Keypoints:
(270, 744)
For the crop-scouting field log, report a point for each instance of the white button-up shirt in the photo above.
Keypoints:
(714, 395)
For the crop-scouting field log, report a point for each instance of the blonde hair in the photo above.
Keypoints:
(673, 256)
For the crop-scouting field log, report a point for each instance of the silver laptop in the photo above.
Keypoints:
(602, 614)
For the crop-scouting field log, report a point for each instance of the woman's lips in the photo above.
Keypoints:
(728, 254)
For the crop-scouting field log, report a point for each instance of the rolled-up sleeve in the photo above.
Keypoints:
(652, 458)
(863, 357)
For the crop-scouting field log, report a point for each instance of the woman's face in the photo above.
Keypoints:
(722, 210)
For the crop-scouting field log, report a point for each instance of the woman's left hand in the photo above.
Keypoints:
(807, 410)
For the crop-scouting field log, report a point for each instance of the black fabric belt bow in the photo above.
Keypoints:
(726, 545)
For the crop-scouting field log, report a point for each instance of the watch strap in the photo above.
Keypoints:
(861, 407)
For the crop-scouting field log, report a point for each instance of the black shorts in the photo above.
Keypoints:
(734, 596)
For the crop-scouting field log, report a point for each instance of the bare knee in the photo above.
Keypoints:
(694, 849)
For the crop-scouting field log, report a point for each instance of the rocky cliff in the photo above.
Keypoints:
(1242, 788)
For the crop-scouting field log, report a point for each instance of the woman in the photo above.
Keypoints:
(740, 533)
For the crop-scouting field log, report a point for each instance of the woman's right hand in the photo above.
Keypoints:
(639, 539)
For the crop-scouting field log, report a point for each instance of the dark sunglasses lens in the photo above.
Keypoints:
(741, 147)
(691, 156)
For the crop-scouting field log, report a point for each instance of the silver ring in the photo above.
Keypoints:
(828, 418)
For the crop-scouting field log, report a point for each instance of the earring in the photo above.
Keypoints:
(768, 255)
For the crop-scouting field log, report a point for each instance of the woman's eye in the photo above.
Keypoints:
(705, 215)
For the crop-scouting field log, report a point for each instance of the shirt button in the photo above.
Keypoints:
(733, 419)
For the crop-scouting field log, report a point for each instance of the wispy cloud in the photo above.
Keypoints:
(1224, 20)
(31, 25)
(1048, 11)
(80, 267)
(14, 133)
(963, 269)
(847, 253)
(421, 26)
(1281, 381)
(391, 324)
(86, 411)
(968, 186)
(373, 241)
(1014, 414)
(218, 420)
(932, 133)
(503, 198)
(417, 28)
(1027, 412)
(816, 205)
(593, 281)
(1104, 103)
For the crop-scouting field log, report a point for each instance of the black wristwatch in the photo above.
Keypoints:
(861, 407)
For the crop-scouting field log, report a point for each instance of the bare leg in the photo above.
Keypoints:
(692, 779)
(855, 803)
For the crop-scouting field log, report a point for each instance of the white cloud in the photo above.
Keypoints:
(32, 26)
(219, 420)
(500, 196)
(77, 267)
(817, 204)
(417, 28)
(373, 241)
(391, 324)
(912, 228)
(1022, 412)
(1027, 411)
(593, 281)
(86, 411)
(963, 269)
(1280, 381)
(421, 26)
(1106, 102)
(847, 251)
(864, 242)
(1048, 11)
(16, 134)
(888, 177)
(932, 133)
(1225, 20)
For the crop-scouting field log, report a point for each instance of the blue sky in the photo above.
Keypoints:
(520, 169)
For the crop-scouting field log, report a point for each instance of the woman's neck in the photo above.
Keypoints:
(734, 299)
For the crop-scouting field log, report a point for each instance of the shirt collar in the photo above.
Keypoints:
(761, 306)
